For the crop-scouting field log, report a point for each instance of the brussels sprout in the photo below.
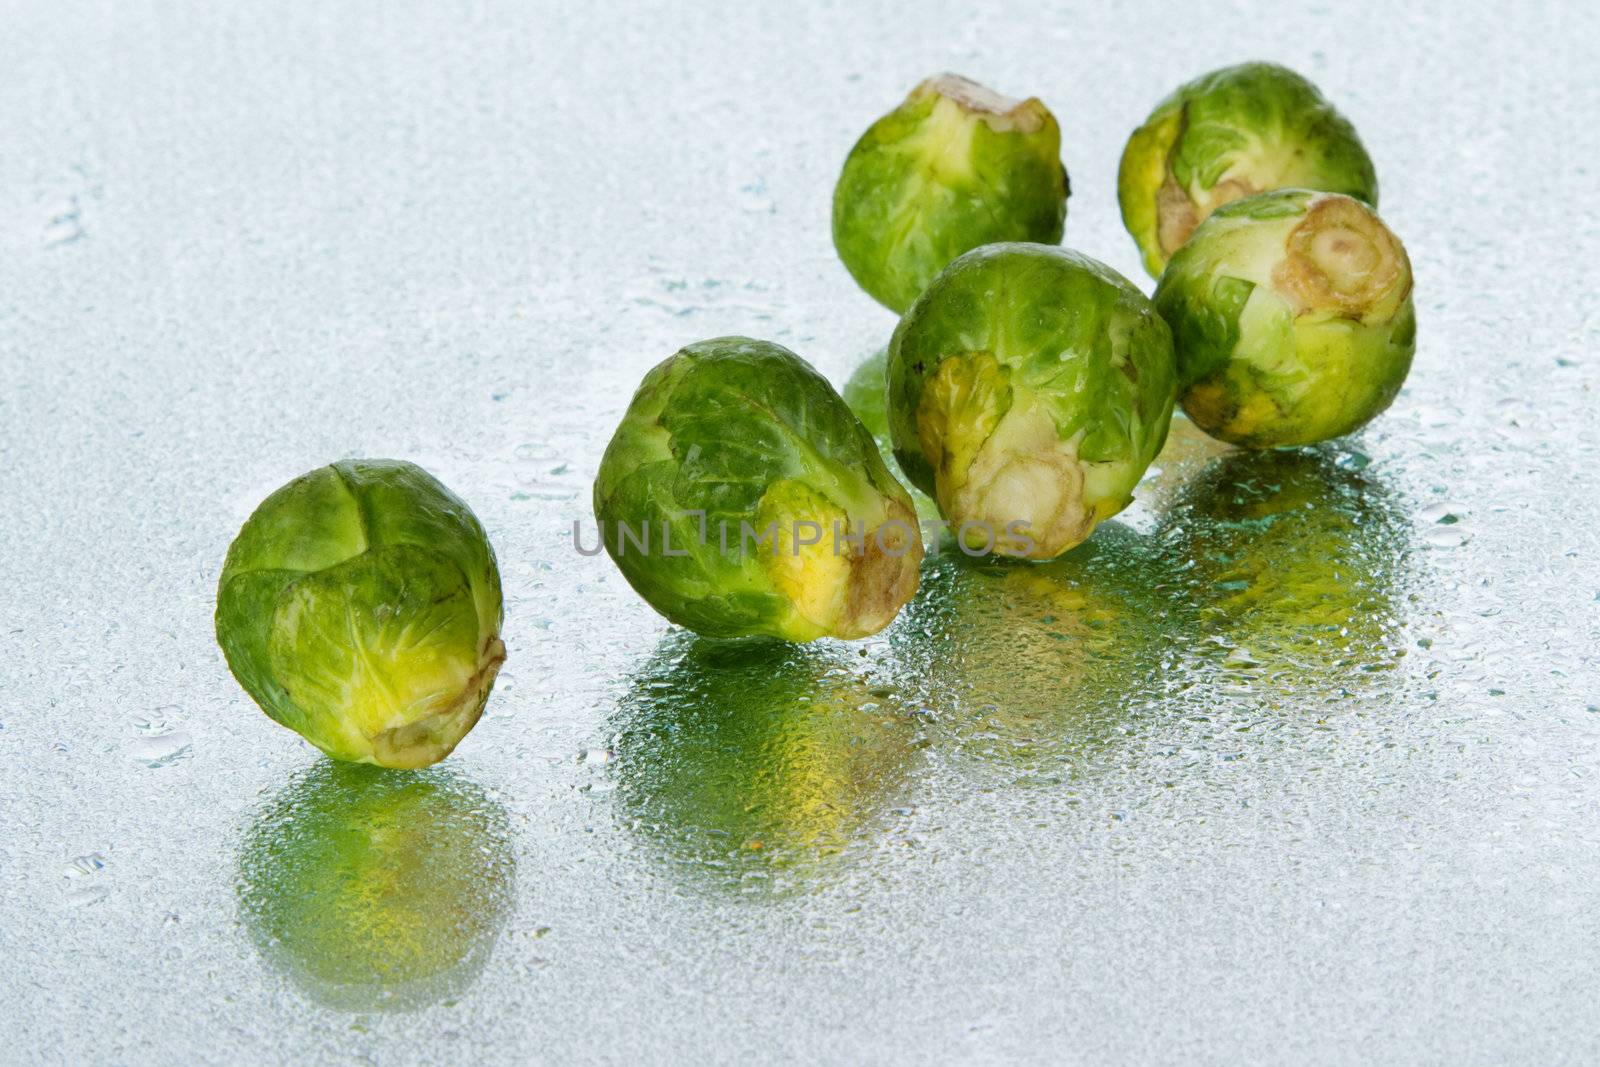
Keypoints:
(1291, 568)
(954, 167)
(741, 497)
(1029, 388)
(1230, 133)
(377, 891)
(758, 766)
(1291, 317)
(360, 607)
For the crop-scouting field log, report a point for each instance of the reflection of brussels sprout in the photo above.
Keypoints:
(1291, 562)
(740, 496)
(360, 607)
(1233, 132)
(1029, 388)
(954, 167)
(375, 890)
(1043, 660)
(753, 762)
(1291, 317)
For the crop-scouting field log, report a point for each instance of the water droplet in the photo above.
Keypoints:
(84, 876)
(84, 866)
(1444, 514)
(1446, 537)
(157, 742)
(1354, 461)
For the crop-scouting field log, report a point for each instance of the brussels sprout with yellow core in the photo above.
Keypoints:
(954, 167)
(360, 607)
(1237, 131)
(741, 497)
(1292, 319)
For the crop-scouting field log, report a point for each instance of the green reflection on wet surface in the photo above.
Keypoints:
(754, 765)
(1292, 568)
(1026, 662)
(377, 890)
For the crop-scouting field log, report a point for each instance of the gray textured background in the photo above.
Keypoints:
(241, 240)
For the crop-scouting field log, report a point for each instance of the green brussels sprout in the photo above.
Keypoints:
(1291, 317)
(954, 167)
(740, 497)
(1029, 388)
(1291, 569)
(360, 607)
(377, 891)
(759, 767)
(1226, 135)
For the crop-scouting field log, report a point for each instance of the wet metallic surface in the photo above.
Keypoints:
(1298, 760)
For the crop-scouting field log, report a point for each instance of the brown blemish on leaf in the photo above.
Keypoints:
(1341, 258)
(1000, 113)
(883, 575)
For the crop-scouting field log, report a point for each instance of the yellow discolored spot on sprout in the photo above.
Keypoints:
(960, 407)
(844, 575)
(1256, 413)
(421, 735)
(407, 703)
(803, 564)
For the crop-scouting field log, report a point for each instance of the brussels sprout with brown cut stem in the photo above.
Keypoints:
(1226, 135)
(741, 497)
(1292, 319)
(954, 167)
(1029, 389)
